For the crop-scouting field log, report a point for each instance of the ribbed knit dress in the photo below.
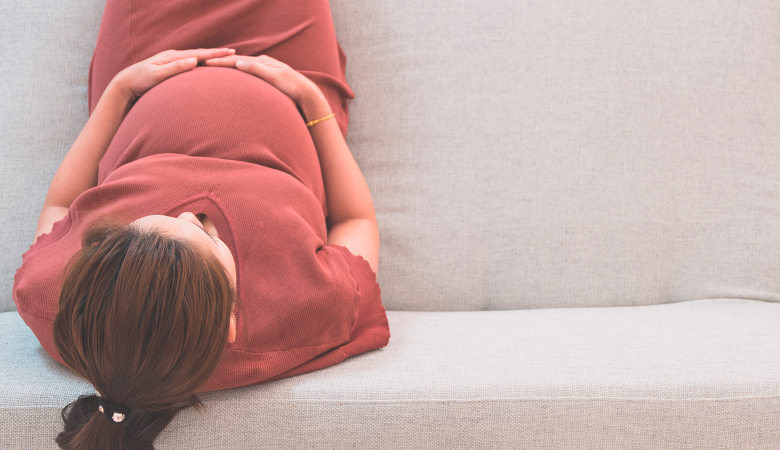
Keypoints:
(229, 145)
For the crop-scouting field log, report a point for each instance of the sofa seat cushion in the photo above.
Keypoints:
(697, 374)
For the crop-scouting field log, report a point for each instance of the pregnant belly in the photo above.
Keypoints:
(221, 113)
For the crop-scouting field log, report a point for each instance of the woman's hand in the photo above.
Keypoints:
(283, 77)
(144, 75)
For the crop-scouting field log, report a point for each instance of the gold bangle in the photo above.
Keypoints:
(314, 122)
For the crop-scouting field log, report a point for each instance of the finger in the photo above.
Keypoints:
(203, 53)
(175, 67)
(266, 58)
(271, 62)
(252, 66)
(228, 61)
(256, 68)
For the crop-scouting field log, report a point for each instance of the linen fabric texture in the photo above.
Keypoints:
(229, 145)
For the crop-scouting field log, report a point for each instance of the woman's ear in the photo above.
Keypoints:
(232, 333)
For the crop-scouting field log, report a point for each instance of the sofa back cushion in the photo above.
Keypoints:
(542, 154)
(45, 49)
(531, 154)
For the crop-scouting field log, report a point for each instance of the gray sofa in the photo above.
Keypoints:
(579, 205)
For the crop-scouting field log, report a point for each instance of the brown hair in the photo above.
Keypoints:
(144, 317)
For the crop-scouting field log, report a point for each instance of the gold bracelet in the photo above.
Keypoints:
(314, 122)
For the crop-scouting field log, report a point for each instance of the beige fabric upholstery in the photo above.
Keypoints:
(550, 154)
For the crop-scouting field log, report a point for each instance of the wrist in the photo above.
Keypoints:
(119, 87)
(314, 106)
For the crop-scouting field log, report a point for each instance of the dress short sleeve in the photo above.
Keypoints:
(370, 329)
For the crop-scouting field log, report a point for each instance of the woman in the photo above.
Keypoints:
(209, 227)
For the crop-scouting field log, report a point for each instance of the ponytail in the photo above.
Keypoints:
(144, 317)
(86, 426)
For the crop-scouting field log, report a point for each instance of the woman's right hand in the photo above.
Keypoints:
(283, 77)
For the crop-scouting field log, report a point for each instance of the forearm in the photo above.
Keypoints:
(346, 190)
(79, 169)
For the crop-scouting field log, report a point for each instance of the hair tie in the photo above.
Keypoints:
(113, 413)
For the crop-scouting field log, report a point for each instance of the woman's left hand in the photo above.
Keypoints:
(144, 75)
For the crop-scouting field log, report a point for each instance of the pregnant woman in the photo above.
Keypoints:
(209, 228)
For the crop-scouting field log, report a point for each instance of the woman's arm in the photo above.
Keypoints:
(78, 170)
(351, 219)
(351, 216)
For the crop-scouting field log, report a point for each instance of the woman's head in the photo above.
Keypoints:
(188, 227)
(144, 314)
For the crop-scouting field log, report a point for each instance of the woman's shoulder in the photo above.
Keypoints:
(327, 315)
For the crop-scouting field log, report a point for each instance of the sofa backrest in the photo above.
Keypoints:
(521, 154)
(45, 49)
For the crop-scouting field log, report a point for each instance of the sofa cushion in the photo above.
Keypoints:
(690, 375)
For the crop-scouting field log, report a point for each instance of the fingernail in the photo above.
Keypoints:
(192, 61)
(241, 64)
